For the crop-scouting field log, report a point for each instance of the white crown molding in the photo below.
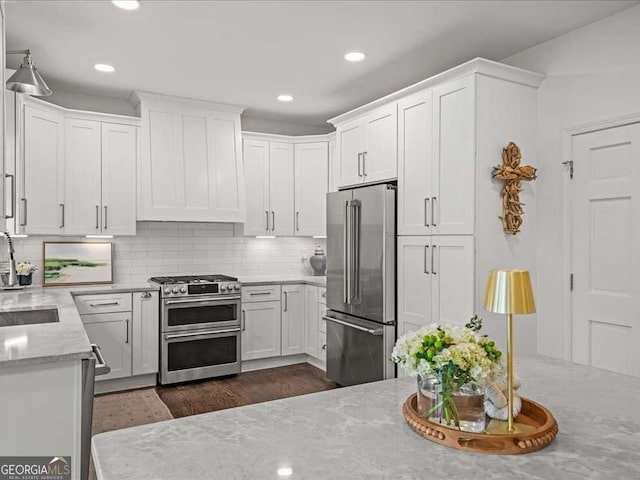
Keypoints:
(138, 96)
(82, 114)
(294, 139)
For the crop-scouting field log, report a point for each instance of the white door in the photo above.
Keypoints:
(414, 280)
(256, 172)
(605, 214)
(112, 333)
(293, 324)
(82, 178)
(311, 178)
(42, 184)
(415, 149)
(119, 154)
(452, 269)
(380, 158)
(260, 330)
(281, 190)
(351, 140)
(311, 320)
(145, 332)
(453, 172)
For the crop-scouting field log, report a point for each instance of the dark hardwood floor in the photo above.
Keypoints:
(244, 389)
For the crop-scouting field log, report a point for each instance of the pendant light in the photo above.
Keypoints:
(27, 79)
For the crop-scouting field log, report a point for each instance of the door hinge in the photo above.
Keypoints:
(569, 163)
(571, 281)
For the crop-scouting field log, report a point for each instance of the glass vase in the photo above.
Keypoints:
(469, 405)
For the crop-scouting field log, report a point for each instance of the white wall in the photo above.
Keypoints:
(593, 74)
(172, 248)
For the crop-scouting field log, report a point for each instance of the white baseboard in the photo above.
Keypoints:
(129, 383)
(260, 364)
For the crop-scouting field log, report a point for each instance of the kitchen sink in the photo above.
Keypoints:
(28, 317)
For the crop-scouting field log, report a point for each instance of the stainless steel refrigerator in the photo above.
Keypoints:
(361, 323)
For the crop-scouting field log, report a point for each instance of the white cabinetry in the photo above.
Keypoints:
(191, 161)
(112, 332)
(312, 320)
(281, 188)
(260, 330)
(145, 334)
(367, 147)
(311, 186)
(293, 319)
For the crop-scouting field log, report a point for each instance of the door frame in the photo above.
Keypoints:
(567, 155)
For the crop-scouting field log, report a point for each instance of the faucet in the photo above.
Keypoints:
(8, 269)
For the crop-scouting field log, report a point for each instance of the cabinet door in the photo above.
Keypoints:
(453, 173)
(256, 171)
(415, 280)
(334, 168)
(380, 158)
(311, 177)
(145, 335)
(311, 320)
(281, 190)
(260, 330)
(293, 331)
(112, 333)
(415, 142)
(351, 140)
(82, 177)
(453, 276)
(119, 154)
(42, 172)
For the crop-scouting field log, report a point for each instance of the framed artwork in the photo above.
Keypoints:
(77, 263)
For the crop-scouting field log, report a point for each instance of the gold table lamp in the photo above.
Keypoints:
(509, 292)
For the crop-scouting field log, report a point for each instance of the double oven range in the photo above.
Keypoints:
(199, 327)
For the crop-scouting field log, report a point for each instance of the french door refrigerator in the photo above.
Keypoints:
(361, 326)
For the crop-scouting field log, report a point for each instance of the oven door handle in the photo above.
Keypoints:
(201, 333)
(200, 300)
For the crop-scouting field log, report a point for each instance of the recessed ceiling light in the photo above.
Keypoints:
(103, 67)
(285, 98)
(354, 56)
(127, 4)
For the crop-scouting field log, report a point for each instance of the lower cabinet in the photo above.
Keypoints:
(261, 335)
(146, 331)
(293, 319)
(313, 320)
(112, 333)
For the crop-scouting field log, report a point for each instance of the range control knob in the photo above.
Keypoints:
(183, 290)
(167, 291)
(175, 290)
(237, 286)
(223, 288)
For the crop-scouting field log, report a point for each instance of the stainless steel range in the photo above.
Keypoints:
(200, 327)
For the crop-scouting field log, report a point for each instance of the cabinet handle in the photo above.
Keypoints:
(62, 215)
(433, 209)
(273, 220)
(426, 211)
(13, 195)
(244, 320)
(364, 164)
(286, 301)
(324, 346)
(24, 212)
(105, 218)
(297, 221)
(359, 158)
(105, 304)
(253, 294)
(324, 294)
(127, 340)
(97, 217)
(146, 294)
(426, 256)
(267, 214)
(433, 265)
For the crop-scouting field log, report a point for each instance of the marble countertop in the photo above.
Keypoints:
(49, 342)
(359, 433)
(319, 281)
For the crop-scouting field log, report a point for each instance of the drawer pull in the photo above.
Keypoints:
(255, 294)
(105, 304)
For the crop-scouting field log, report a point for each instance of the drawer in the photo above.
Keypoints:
(322, 295)
(103, 303)
(322, 325)
(260, 293)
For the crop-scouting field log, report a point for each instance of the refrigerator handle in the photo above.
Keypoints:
(346, 259)
(355, 250)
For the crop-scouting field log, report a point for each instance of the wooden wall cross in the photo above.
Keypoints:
(512, 173)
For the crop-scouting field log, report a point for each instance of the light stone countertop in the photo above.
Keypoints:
(247, 280)
(359, 433)
(50, 342)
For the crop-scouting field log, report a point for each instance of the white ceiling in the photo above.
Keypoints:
(248, 52)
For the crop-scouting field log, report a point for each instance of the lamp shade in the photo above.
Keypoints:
(27, 80)
(509, 291)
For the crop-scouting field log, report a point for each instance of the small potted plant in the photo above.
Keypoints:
(24, 271)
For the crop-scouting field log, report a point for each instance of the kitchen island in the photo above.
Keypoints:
(359, 433)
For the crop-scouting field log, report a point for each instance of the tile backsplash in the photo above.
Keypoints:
(171, 248)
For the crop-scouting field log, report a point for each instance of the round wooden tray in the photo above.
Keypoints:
(538, 422)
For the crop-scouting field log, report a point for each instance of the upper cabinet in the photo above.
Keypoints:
(311, 186)
(191, 161)
(74, 171)
(367, 147)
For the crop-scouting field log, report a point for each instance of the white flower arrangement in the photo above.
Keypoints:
(25, 268)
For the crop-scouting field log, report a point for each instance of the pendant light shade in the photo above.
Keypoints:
(27, 79)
